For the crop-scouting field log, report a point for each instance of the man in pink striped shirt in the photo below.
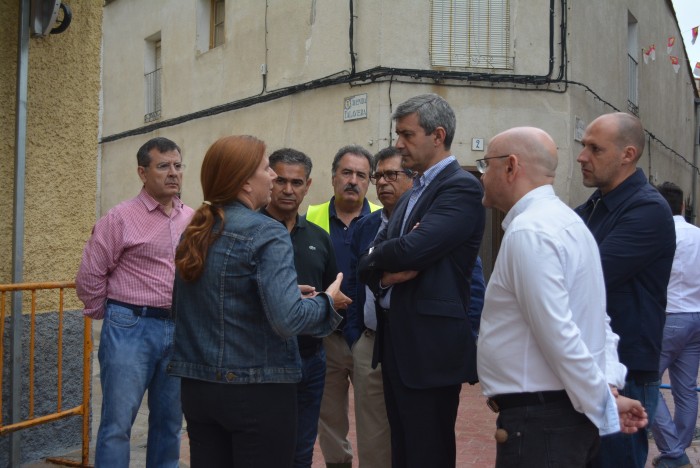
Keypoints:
(126, 277)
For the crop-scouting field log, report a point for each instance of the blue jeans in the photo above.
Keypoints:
(309, 393)
(681, 356)
(134, 353)
(630, 450)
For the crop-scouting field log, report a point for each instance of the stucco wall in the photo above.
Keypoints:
(62, 132)
(63, 105)
(8, 72)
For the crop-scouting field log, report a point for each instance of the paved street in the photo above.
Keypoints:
(474, 430)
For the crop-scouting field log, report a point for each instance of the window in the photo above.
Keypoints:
(632, 65)
(470, 33)
(152, 78)
(218, 16)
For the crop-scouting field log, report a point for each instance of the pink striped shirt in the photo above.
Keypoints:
(131, 255)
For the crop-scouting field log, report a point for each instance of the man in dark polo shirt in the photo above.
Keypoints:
(316, 270)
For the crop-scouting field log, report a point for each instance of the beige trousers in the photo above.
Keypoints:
(373, 433)
(333, 424)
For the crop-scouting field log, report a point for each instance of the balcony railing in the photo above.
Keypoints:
(153, 102)
(632, 95)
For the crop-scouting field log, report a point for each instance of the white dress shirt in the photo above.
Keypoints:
(544, 325)
(684, 284)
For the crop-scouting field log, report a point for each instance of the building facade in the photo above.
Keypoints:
(317, 75)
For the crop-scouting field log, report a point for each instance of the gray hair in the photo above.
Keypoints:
(351, 149)
(433, 112)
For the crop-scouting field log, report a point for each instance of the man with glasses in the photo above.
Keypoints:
(547, 358)
(316, 270)
(126, 277)
(373, 434)
(420, 267)
(351, 168)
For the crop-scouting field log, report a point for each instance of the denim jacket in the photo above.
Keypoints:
(238, 321)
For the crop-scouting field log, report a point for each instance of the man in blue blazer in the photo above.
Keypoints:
(420, 269)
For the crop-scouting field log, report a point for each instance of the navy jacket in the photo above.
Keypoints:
(365, 232)
(430, 330)
(635, 232)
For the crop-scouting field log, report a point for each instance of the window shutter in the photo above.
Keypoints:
(470, 34)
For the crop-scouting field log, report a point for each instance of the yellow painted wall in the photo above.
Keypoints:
(62, 151)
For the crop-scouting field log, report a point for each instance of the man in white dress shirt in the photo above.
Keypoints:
(547, 358)
(680, 353)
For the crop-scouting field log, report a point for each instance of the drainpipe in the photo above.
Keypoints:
(18, 228)
(696, 158)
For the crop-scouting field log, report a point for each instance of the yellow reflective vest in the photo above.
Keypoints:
(320, 214)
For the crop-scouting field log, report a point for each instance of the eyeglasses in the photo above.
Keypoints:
(165, 167)
(390, 176)
(483, 164)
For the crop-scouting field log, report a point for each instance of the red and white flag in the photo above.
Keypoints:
(652, 52)
(694, 34)
(696, 70)
(674, 62)
(671, 42)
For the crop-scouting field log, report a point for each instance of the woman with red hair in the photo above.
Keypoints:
(238, 309)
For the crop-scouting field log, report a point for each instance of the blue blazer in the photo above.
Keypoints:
(365, 231)
(430, 330)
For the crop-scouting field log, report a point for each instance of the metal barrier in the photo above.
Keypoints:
(81, 410)
(668, 387)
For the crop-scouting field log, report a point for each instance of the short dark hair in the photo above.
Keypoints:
(673, 195)
(163, 145)
(292, 156)
(433, 112)
(351, 149)
(387, 153)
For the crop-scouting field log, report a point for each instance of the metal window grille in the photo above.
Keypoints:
(153, 86)
(632, 95)
(153, 102)
(470, 34)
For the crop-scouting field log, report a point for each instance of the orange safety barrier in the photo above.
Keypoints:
(81, 410)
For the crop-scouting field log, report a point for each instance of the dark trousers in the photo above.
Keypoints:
(422, 421)
(309, 394)
(550, 434)
(249, 425)
(630, 450)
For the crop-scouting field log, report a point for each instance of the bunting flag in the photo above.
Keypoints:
(694, 33)
(674, 62)
(652, 52)
(671, 42)
(645, 55)
(696, 70)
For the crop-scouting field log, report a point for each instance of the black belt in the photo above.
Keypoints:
(143, 311)
(309, 351)
(513, 400)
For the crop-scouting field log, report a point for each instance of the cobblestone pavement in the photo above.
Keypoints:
(474, 430)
